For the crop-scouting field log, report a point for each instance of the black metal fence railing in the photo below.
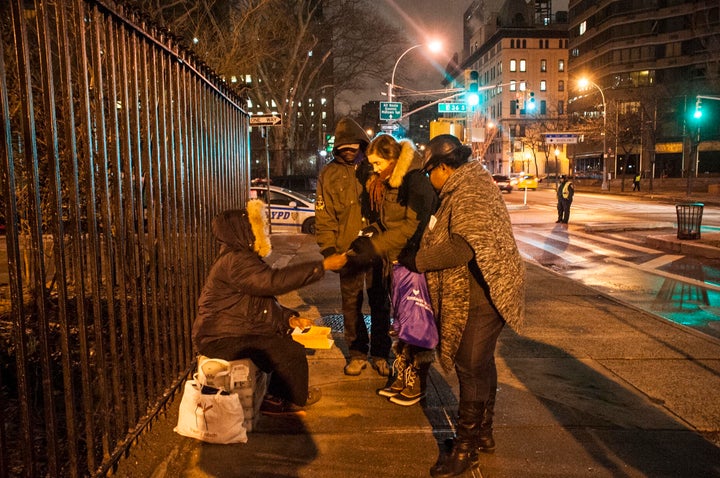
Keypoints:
(117, 147)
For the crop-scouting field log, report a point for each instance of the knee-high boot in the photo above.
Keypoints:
(464, 450)
(486, 442)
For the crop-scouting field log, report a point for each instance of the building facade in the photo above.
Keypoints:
(520, 51)
(650, 59)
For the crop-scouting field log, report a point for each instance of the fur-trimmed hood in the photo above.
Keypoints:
(408, 160)
(238, 229)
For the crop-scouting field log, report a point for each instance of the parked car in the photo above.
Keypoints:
(290, 212)
(527, 181)
(503, 182)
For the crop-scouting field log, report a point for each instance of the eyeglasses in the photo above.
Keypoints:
(429, 170)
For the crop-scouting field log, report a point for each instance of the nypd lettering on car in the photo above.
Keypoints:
(290, 212)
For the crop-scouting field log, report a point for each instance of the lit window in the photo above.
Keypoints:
(523, 65)
(543, 85)
(513, 86)
(543, 65)
(583, 28)
(523, 86)
(513, 65)
(561, 65)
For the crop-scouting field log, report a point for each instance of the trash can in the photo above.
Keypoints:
(689, 218)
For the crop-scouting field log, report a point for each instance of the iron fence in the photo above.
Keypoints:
(118, 147)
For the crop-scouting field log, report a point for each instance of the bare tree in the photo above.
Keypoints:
(294, 51)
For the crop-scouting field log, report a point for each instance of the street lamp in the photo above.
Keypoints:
(434, 46)
(584, 82)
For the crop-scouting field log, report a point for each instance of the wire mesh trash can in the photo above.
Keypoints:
(689, 218)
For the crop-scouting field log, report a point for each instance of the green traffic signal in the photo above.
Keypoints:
(472, 86)
(698, 109)
(531, 102)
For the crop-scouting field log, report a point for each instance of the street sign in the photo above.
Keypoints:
(390, 110)
(452, 107)
(390, 127)
(561, 138)
(265, 120)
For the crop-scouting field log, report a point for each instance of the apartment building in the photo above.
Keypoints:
(650, 58)
(520, 51)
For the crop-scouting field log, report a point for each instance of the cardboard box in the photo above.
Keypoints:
(316, 337)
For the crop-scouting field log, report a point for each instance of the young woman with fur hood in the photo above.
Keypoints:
(403, 199)
(239, 316)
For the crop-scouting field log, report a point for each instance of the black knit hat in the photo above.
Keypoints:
(445, 148)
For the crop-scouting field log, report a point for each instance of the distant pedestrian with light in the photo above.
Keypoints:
(636, 182)
(565, 193)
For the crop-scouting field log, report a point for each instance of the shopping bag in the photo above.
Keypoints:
(215, 417)
(414, 321)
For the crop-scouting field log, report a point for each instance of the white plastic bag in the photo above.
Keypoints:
(212, 418)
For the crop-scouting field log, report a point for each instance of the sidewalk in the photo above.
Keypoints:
(592, 387)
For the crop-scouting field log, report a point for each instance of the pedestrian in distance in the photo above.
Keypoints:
(565, 193)
(403, 200)
(476, 280)
(341, 213)
(636, 182)
(239, 316)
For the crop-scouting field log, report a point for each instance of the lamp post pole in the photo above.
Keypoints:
(605, 185)
(392, 78)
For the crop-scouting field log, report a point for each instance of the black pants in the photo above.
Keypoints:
(278, 354)
(563, 207)
(352, 288)
(475, 358)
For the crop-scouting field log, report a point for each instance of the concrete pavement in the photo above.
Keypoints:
(591, 387)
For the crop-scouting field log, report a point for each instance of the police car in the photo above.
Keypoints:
(290, 212)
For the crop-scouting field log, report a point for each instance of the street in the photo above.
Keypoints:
(604, 247)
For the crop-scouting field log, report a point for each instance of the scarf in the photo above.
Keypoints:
(378, 186)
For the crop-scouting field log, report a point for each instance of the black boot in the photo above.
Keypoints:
(485, 442)
(464, 450)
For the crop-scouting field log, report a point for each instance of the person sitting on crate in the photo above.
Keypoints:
(239, 316)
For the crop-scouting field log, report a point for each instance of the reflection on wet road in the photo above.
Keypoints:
(680, 288)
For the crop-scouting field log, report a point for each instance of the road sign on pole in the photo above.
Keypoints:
(561, 138)
(265, 120)
(452, 107)
(390, 110)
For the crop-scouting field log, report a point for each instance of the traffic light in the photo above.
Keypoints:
(472, 80)
(698, 109)
(530, 106)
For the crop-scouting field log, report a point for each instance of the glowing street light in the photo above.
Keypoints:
(583, 83)
(434, 47)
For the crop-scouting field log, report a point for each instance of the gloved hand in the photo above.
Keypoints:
(407, 258)
(327, 252)
(369, 231)
(362, 250)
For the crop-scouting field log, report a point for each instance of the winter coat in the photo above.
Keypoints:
(407, 205)
(238, 298)
(339, 211)
(471, 206)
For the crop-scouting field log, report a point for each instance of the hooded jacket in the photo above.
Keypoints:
(339, 214)
(238, 298)
(407, 205)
